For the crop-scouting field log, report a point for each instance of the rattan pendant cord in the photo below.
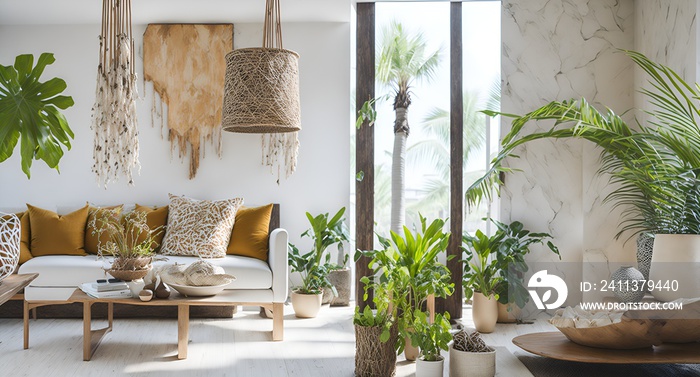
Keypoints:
(261, 94)
(116, 149)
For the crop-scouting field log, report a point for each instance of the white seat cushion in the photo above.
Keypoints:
(71, 271)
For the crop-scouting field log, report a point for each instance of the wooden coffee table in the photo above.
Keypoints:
(92, 338)
(557, 346)
(13, 284)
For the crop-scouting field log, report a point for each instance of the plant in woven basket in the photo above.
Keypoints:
(470, 356)
(130, 241)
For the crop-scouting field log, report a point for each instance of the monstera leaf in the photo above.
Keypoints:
(29, 113)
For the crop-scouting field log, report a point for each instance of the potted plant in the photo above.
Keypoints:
(470, 356)
(306, 298)
(431, 338)
(325, 232)
(481, 278)
(131, 242)
(655, 167)
(375, 333)
(512, 243)
(410, 266)
(29, 109)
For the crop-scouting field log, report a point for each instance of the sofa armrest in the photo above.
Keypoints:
(279, 264)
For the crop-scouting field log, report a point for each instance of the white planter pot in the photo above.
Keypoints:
(472, 364)
(429, 368)
(676, 257)
(306, 306)
(484, 312)
(136, 286)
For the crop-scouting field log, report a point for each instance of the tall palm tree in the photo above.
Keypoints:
(435, 149)
(403, 57)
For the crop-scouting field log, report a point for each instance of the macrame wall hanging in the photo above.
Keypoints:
(186, 64)
(116, 149)
(261, 94)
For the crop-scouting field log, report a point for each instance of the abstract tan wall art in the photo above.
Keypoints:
(186, 64)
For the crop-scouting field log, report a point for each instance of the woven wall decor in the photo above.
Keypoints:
(261, 94)
(116, 149)
(186, 64)
(9, 244)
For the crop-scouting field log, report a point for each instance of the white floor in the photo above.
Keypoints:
(323, 346)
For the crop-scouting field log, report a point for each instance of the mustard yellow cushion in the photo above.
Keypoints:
(155, 217)
(24, 252)
(92, 241)
(52, 234)
(249, 237)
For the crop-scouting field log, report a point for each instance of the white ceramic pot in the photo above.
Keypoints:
(472, 364)
(306, 306)
(429, 368)
(675, 257)
(136, 286)
(484, 312)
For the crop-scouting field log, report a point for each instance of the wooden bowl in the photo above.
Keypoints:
(624, 335)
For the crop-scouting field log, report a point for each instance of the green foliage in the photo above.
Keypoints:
(655, 167)
(314, 277)
(431, 337)
(408, 268)
(384, 313)
(29, 113)
(515, 242)
(324, 233)
(480, 274)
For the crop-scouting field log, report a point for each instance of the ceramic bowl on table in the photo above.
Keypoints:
(198, 291)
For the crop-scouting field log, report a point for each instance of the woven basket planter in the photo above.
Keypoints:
(374, 358)
(129, 269)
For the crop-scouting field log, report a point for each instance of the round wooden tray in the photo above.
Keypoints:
(556, 346)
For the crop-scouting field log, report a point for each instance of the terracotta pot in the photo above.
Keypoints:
(306, 306)
(484, 312)
(472, 364)
(410, 352)
(429, 368)
(675, 257)
(505, 316)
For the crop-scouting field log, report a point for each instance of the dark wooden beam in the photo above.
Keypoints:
(453, 304)
(364, 148)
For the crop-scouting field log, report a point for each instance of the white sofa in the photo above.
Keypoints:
(257, 281)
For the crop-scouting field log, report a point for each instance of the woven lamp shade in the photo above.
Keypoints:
(261, 91)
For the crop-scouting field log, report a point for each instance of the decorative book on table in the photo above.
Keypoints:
(91, 291)
(104, 285)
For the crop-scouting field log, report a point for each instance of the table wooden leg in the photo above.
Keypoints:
(26, 324)
(183, 330)
(92, 338)
(277, 321)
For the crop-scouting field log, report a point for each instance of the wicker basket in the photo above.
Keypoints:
(374, 358)
(129, 269)
(129, 275)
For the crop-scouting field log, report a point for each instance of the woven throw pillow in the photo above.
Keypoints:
(199, 227)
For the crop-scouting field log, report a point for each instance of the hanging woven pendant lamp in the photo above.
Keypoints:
(261, 88)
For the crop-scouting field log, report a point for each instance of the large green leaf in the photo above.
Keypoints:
(29, 112)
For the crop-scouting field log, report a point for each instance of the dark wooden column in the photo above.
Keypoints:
(364, 147)
(453, 304)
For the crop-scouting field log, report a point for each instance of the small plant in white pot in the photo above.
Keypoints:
(431, 338)
(470, 356)
(306, 298)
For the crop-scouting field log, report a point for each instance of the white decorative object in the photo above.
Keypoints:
(195, 291)
(116, 149)
(9, 244)
(676, 259)
(429, 368)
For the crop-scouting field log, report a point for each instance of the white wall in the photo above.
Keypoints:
(320, 183)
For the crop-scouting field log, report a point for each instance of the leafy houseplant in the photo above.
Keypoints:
(408, 267)
(314, 273)
(131, 242)
(431, 338)
(29, 113)
(514, 244)
(481, 278)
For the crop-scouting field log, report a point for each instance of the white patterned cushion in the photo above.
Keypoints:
(199, 227)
